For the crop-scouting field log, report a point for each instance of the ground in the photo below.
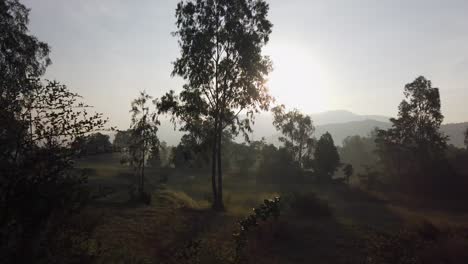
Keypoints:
(180, 227)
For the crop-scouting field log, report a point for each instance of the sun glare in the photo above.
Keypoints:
(298, 79)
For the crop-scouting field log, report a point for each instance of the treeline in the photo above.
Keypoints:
(44, 127)
(413, 155)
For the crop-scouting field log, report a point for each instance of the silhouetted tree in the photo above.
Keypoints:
(466, 138)
(94, 144)
(39, 121)
(244, 157)
(220, 43)
(191, 152)
(297, 130)
(122, 140)
(369, 178)
(414, 141)
(359, 151)
(277, 166)
(143, 140)
(37, 180)
(348, 172)
(326, 155)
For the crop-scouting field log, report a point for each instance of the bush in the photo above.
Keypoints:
(424, 244)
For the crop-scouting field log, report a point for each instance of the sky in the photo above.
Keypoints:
(328, 55)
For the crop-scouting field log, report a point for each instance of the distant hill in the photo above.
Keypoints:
(339, 123)
(340, 131)
(350, 124)
(343, 116)
(456, 133)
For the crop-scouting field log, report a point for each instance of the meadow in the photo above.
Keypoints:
(319, 223)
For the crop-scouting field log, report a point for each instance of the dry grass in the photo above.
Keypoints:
(129, 233)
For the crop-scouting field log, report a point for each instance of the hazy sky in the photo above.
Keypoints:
(354, 55)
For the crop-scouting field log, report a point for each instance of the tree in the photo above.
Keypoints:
(348, 172)
(359, 151)
(94, 144)
(414, 140)
(143, 140)
(326, 155)
(37, 180)
(277, 166)
(220, 43)
(122, 140)
(39, 121)
(244, 157)
(466, 138)
(297, 130)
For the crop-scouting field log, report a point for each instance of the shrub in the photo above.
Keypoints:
(425, 244)
(270, 209)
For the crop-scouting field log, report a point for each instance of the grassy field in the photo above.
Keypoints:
(179, 227)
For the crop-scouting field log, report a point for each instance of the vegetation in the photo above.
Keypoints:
(221, 44)
(327, 158)
(39, 122)
(70, 195)
(298, 131)
(143, 139)
(348, 172)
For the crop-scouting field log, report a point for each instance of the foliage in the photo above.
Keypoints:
(144, 142)
(413, 145)
(327, 159)
(39, 121)
(277, 166)
(122, 140)
(348, 172)
(369, 178)
(297, 130)
(95, 143)
(189, 253)
(359, 151)
(191, 152)
(466, 138)
(244, 157)
(220, 44)
(37, 181)
(424, 244)
(269, 209)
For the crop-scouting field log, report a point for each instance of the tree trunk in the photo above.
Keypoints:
(143, 177)
(213, 166)
(220, 203)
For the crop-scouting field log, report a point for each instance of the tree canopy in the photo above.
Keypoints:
(414, 140)
(326, 155)
(221, 61)
(297, 130)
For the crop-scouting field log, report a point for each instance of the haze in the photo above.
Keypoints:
(353, 55)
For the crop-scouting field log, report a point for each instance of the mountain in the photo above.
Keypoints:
(340, 131)
(339, 124)
(349, 124)
(343, 116)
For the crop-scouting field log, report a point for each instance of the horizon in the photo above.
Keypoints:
(335, 55)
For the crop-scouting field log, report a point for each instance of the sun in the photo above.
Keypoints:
(298, 80)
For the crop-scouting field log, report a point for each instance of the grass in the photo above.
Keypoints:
(332, 225)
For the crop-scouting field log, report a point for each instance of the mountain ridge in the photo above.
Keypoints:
(340, 124)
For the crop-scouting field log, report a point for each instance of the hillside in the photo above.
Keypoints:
(339, 124)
